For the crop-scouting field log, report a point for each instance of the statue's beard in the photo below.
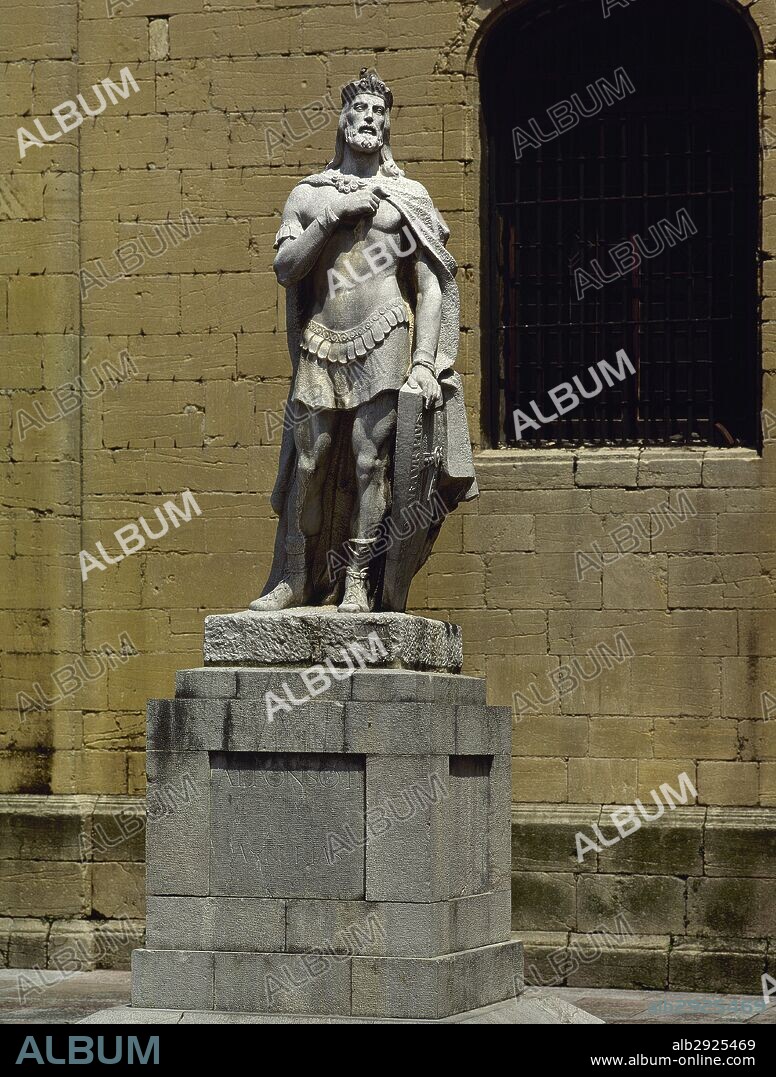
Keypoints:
(362, 141)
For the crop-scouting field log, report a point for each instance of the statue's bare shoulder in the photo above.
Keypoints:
(302, 205)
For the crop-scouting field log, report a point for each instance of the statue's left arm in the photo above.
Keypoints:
(428, 323)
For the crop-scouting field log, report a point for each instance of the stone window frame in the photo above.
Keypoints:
(463, 59)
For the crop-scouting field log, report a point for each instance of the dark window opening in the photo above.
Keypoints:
(669, 171)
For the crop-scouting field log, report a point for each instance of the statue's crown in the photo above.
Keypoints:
(367, 82)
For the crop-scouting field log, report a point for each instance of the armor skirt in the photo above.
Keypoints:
(341, 370)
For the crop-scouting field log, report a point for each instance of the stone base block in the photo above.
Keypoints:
(340, 985)
(319, 926)
(343, 852)
(311, 635)
(539, 1009)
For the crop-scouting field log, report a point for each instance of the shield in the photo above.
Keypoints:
(416, 506)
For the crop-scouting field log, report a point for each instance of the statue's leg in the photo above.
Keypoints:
(374, 430)
(312, 438)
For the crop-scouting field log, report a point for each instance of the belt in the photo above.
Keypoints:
(343, 347)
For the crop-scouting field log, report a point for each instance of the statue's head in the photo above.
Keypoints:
(365, 121)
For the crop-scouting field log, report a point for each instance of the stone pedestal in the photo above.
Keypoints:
(346, 855)
(308, 635)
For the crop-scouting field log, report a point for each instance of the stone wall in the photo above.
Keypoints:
(234, 103)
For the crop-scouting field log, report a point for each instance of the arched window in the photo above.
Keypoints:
(622, 217)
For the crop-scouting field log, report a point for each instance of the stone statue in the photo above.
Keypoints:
(376, 449)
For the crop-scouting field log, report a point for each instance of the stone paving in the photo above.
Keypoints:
(52, 998)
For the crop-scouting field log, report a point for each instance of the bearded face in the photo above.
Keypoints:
(365, 122)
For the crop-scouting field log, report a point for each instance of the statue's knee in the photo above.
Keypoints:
(307, 465)
(369, 466)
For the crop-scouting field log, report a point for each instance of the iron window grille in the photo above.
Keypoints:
(683, 145)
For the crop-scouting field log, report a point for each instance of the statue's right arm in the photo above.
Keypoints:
(299, 243)
(303, 234)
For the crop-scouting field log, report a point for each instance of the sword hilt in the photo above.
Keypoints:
(433, 458)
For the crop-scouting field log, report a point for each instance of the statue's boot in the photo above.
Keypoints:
(286, 595)
(356, 597)
(292, 590)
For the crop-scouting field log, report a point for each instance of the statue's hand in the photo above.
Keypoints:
(420, 377)
(355, 204)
